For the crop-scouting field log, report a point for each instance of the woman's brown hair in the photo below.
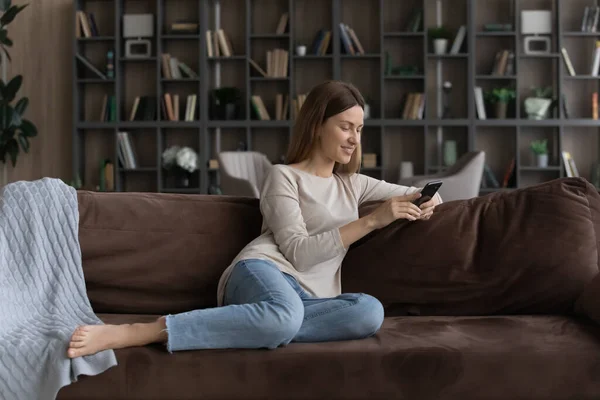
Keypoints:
(323, 101)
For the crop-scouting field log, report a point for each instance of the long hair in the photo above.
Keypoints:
(323, 101)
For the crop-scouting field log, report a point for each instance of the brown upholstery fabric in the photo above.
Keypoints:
(150, 253)
(531, 251)
(414, 358)
(527, 251)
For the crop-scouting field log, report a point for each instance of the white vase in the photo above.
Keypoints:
(440, 46)
(537, 107)
(542, 160)
(406, 169)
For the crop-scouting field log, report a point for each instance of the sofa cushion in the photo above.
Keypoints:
(530, 250)
(492, 357)
(150, 253)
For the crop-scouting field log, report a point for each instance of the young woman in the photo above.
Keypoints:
(284, 286)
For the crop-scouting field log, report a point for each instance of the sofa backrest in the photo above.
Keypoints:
(154, 253)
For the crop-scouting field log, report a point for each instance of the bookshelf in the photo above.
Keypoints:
(396, 61)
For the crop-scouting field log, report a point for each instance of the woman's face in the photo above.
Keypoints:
(340, 135)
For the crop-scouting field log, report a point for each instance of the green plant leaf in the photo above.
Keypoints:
(21, 105)
(7, 42)
(4, 5)
(28, 128)
(16, 119)
(12, 87)
(10, 14)
(24, 142)
(6, 116)
(12, 149)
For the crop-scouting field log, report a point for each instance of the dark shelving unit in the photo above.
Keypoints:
(381, 27)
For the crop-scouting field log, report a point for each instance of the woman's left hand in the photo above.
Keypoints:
(428, 208)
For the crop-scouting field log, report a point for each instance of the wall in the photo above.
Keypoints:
(42, 36)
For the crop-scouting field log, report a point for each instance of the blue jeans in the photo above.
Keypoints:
(265, 308)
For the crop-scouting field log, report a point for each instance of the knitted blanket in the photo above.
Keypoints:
(42, 291)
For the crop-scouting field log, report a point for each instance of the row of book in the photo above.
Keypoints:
(283, 105)
(413, 106)
(173, 68)
(504, 63)
(589, 22)
(320, 44)
(277, 61)
(350, 42)
(218, 44)
(261, 111)
(126, 153)
(85, 25)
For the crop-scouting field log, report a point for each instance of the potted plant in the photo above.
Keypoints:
(439, 37)
(540, 150)
(538, 105)
(15, 131)
(181, 162)
(225, 103)
(500, 97)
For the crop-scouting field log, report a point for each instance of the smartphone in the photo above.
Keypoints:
(428, 191)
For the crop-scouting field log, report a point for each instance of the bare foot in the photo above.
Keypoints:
(91, 339)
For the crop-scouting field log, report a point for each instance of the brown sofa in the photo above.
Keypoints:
(490, 299)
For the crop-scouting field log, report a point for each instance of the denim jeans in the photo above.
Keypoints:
(265, 308)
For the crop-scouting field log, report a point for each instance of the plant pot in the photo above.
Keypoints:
(542, 160)
(230, 111)
(537, 107)
(450, 152)
(500, 109)
(440, 46)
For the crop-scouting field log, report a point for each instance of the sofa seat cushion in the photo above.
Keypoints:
(489, 357)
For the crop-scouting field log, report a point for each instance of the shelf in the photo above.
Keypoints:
(180, 37)
(460, 55)
(269, 78)
(403, 34)
(269, 36)
(496, 77)
(139, 169)
(404, 77)
(447, 122)
(313, 57)
(495, 33)
(95, 80)
(96, 39)
(366, 56)
(581, 77)
(136, 59)
(403, 122)
(230, 58)
(540, 56)
(581, 34)
(581, 122)
(174, 80)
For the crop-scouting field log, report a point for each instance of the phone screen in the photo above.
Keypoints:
(428, 191)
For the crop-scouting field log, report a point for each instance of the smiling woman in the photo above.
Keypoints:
(285, 285)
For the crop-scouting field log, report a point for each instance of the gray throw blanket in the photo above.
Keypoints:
(42, 291)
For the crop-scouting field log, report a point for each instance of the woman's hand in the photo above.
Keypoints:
(428, 207)
(399, 207)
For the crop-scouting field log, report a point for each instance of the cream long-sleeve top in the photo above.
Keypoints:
(302, 216)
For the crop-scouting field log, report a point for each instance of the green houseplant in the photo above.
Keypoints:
(500, 97)
(439, 37)
(15, 131)
(537, 106)
(540, 150)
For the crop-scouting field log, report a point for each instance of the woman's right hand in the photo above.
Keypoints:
(399, 207)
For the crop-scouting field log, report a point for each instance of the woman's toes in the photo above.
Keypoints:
(73, 353)
(75, 345)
